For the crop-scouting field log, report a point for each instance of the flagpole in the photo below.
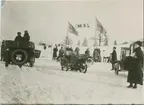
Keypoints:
(66, 37)
(95, 32)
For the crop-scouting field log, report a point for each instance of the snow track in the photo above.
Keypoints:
(47, 83)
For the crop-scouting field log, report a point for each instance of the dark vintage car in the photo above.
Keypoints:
(121, 65)
(76, 63)
(19, 53)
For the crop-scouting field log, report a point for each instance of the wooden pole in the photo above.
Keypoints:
(95, 40)
(99, 39)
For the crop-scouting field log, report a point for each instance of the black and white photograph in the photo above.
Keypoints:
(71, 52)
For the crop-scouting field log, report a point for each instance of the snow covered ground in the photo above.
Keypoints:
(47, 83)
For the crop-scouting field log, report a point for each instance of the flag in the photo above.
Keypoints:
(71, 29)
(100, 27)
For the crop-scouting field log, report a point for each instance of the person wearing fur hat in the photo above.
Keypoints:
(26, 36)
(135, 73)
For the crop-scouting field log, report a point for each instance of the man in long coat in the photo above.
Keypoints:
(61, 53)
(114, 57)
(135, 73)
(55, 49)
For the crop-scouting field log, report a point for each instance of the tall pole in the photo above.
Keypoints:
(95, 39)
(66, 41)
(100, 39)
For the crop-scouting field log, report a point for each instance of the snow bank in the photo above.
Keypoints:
(46, 83)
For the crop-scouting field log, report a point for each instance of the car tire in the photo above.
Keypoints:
(117, 68)
(84, 70)
(23, 53)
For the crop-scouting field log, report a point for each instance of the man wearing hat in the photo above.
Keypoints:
(114, 57)
(135, 73)
(18, 37)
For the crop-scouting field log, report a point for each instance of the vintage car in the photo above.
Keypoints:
(19, 53)
(76, 63)
(121, 65)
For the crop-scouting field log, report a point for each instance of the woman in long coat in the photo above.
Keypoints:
(135, 73)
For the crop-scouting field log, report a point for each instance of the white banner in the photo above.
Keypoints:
(82, 25)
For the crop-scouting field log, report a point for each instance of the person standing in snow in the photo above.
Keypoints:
(61, 53)
(114, 57)
(45, 47)
(135, 73)
(87, 52)
(95, 55)
(123, 55)
(55, 49)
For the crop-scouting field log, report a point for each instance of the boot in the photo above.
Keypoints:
(135, 86)
(130, 86)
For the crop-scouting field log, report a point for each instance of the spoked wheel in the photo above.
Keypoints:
(89, 61)
(84, 68)
(117, 68)
(65, 67)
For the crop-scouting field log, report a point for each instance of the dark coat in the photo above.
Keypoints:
(18, 38)
(55, 52)
(114, 56)
(26, 37)
(61, 52)
(135, 73)
(96, 54)
(87, 52)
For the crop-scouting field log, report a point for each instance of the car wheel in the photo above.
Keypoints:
(65, 67)
(19, 56)
(117, 68)
(83, 69)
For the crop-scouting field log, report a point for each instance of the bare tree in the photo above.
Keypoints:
(106, 42)
(85, 42)
(78, 43)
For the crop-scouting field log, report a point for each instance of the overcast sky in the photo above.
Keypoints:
(48, 20)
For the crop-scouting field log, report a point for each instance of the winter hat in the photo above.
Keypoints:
(139, 43)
